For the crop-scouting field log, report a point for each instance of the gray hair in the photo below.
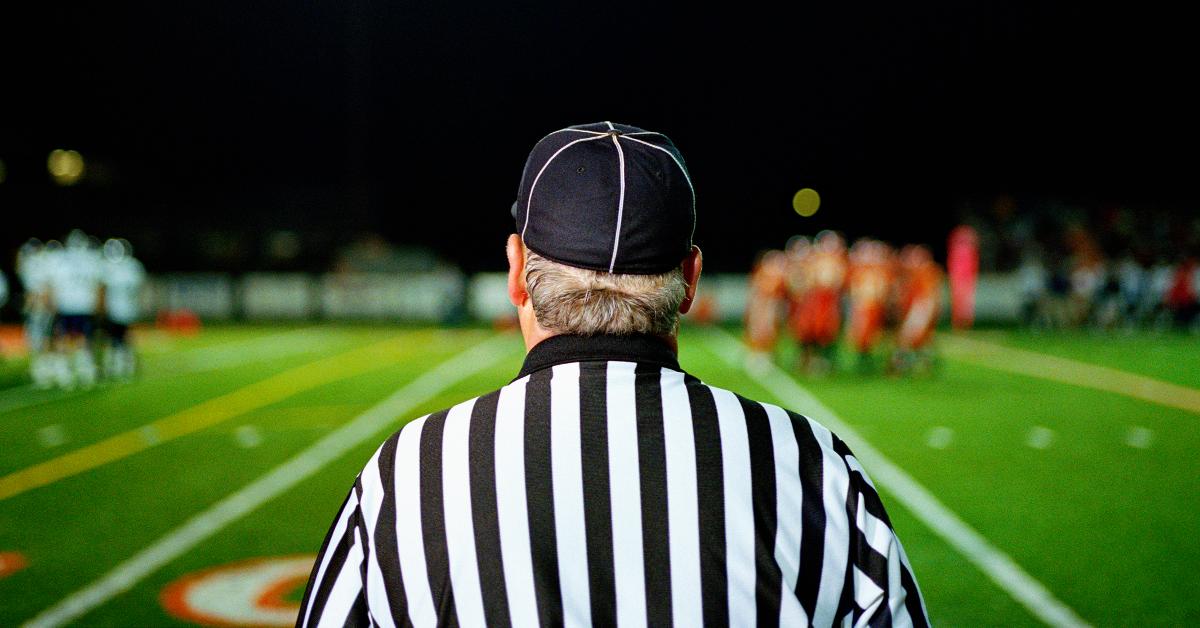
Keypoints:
(573, 300)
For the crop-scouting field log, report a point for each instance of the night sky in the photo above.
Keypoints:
(413, 119)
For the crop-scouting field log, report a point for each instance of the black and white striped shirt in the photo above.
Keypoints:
(606, 486)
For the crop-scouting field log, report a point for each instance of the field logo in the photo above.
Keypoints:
(255, 592)
(11, 563)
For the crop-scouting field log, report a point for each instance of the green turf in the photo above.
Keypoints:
(1171, 356)
(1107, 527)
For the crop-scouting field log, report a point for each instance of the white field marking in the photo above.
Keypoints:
(1139, 437)
(52, 435)
(1040, 437)
(274, 483)
(940, 437)
(1067, 371)
(247, 436)
(995, 564)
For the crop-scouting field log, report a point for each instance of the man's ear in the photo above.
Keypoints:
(692, 265)
(516, 271)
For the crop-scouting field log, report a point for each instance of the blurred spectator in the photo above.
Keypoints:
(1181, 298)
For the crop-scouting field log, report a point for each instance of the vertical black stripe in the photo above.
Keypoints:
(768, 578)
(812, 534)
(847, 606)
(358, 613)
(912, 598)
(387, 552)
(310, 588)
(539, 495)
(484, 511)
(652, 460)
(337, 562)
(710, 493)
(597, 496)
(361, 527)
(875, 566)
(433, 523)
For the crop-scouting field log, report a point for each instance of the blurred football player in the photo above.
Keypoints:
(817, 318)
(763, 306)
(122, 278)
(963, 263)
(918, 305)
(33, 270)
(869, 281)
(75, 294)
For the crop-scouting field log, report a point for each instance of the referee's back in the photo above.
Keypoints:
(606, 486)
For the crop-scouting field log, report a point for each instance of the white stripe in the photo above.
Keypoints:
(620, 202)
(789, 513)
(511, 513)
(610, 126)
(626, 495)
(566, 450)
(345, 589)
(679, 444)
(580, 131)
(372, 502)
(997, 565)
(460, 526)
(533, 186)
(339, 530)
(686, 176)
(280, 479)
(877, 533)
(739, 508)
(835, 487)
(896, 593)
(867, 594)
(409, 527)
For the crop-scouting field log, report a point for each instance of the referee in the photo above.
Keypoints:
(605, 485)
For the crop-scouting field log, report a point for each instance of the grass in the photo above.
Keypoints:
(1108, 527)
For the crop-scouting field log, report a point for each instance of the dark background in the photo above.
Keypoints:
(209, 125)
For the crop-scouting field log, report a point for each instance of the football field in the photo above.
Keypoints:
(1033, 478)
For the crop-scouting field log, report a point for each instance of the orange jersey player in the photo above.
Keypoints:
(768, 289)
(918, 299)
(869, 283)
(816, 315)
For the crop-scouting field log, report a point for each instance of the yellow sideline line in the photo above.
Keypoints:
(208, 413)
(1067, 371)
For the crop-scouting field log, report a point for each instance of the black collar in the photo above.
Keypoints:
(562, 349)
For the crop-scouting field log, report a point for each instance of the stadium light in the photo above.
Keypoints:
(66, 166)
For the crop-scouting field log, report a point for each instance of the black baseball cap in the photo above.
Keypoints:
(608, 197)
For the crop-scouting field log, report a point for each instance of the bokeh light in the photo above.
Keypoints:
(66, 166)
(806, 202)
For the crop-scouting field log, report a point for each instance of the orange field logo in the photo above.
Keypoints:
(11, 563)
(255, 592)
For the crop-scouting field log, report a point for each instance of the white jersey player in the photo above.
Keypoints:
(33, 270)
(75, 293)
(123, 278)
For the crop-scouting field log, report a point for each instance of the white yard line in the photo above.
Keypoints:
(280, 479)
(1034, 364)
(997, 565)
